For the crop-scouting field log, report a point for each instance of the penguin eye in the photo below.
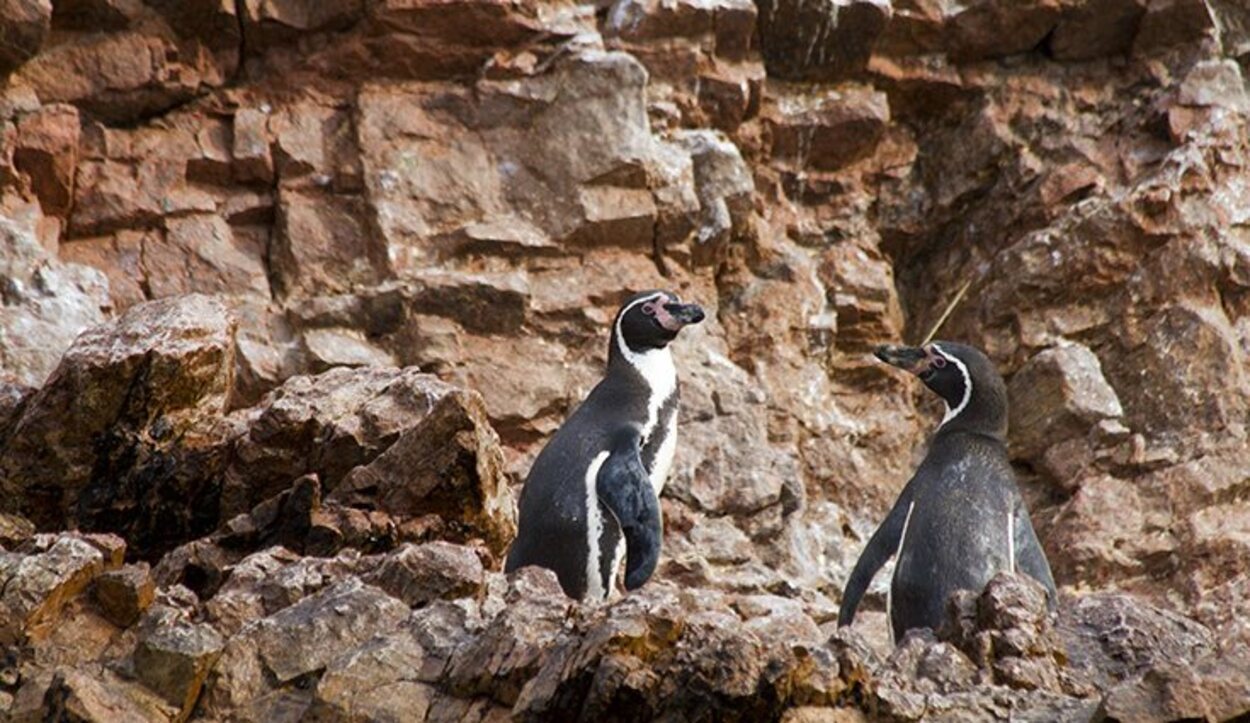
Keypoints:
(649, 308)
(938, 362)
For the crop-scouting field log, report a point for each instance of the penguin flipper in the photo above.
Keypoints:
(882, 544)
(1030, 557)
(624, 486)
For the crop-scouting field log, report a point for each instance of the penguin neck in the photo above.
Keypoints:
(654, 366)
(982, 412)
(656, 370)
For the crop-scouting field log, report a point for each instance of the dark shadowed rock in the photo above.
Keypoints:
(125, 593)
(24, 24)
(812, 41)
(1096, 28)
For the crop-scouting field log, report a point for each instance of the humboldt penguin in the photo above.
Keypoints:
(961, 519)
(592, 496)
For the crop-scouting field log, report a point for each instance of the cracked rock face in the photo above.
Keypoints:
(292, 294)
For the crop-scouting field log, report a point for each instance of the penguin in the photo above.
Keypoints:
(961, 519)
(591, 498)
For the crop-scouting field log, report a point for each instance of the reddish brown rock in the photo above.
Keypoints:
(297, 641)
(47, 154)
(145, 73)
(995, 28)
(1214, 688)
(431, 40)
(1096, 28)
(1169, 23)
(830, 132)
(327, 424)
(101, 696)
(272, 22)
(95, 15)
(323, 245)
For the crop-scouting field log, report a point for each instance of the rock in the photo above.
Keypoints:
(329, 348)
(802, 41)
(25, 27)
(146, 393)
(124, 594)
(273, 22)
(1096, 28)
(1058, 395)
(831, 132)
(436, 41)
(325, 424)
(449, 467)
(253, 159)
(47, 303)
(421, 574)
(318, 244)
(723, 184)
(174, 661)
(47, 154)
(15, 530)
(40, 581)
(298, 640)
(121, 76)
(102, 697)
(996, 28)
(201, 253)
(1214, 688)
(375, 682)
(94, 15)
(1173, 403)
(1113, 637)
(1169, 23)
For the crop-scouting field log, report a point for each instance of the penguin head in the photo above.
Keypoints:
(974, 392)
(650, 320)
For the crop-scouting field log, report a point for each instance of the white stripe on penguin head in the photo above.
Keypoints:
(963, 369)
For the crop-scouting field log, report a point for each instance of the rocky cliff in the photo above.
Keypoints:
(293, 292)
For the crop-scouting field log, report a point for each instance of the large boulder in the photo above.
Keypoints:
(146, 394)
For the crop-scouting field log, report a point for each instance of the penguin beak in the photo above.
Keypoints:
(908, 358)
(684, 314)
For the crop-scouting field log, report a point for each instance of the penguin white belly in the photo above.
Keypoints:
(664, 457)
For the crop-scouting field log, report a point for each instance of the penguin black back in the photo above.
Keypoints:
(960, 519)
(592, 496)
